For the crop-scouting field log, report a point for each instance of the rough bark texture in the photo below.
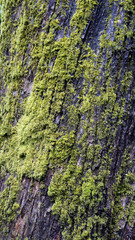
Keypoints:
(67, 71)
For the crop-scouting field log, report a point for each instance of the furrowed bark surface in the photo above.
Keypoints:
(67, 71)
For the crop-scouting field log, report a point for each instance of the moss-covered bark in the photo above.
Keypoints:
(66, 108)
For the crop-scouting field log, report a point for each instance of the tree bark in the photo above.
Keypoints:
(67, 71)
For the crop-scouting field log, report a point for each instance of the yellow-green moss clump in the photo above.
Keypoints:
(73, 117)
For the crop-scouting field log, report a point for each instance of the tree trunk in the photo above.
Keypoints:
(67, 71)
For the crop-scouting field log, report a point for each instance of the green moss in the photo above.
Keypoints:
(49, 129)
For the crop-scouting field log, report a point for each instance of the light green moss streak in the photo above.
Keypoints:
(37, 143)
